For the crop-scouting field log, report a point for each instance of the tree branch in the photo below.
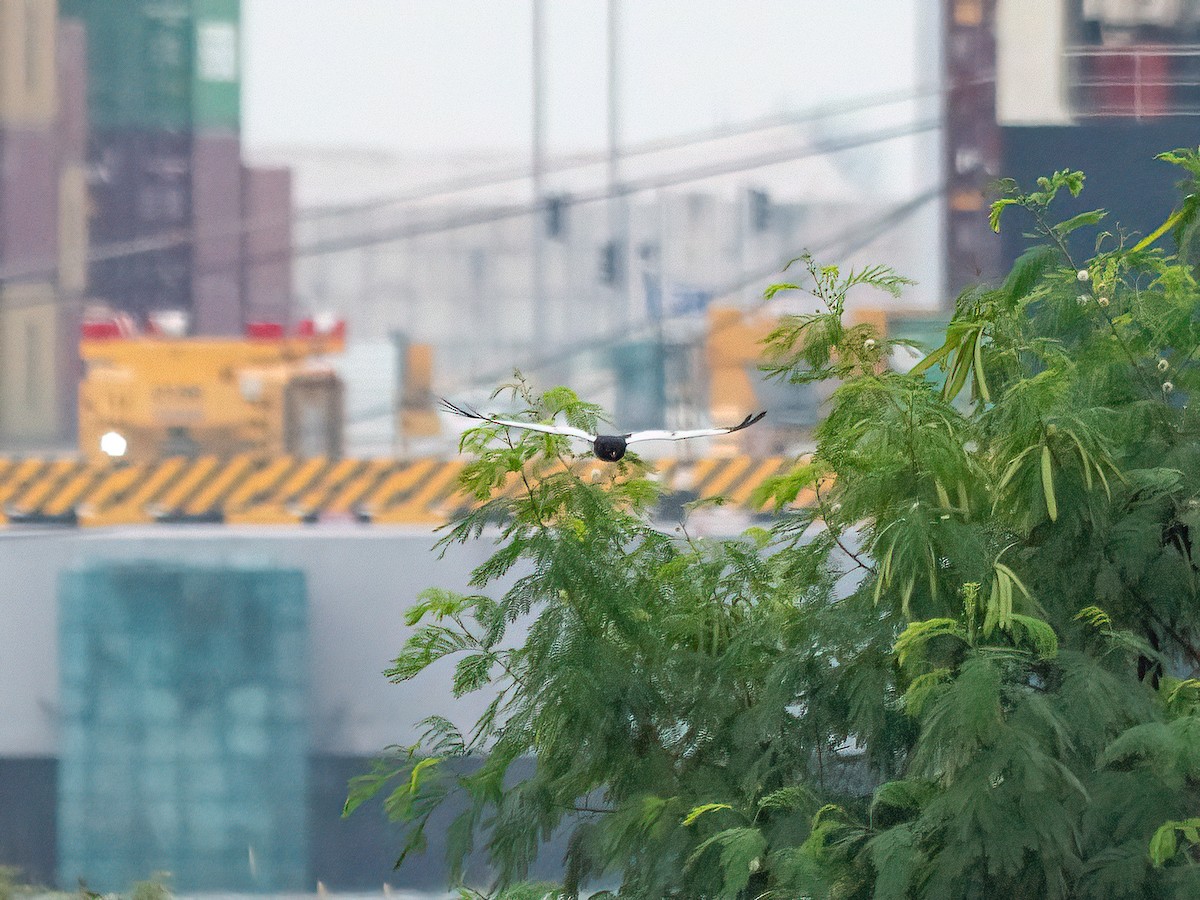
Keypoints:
(836, 536)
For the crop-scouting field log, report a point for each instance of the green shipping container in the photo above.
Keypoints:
(162, 64)
(216, 83)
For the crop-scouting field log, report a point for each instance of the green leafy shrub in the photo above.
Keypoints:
(965, 672)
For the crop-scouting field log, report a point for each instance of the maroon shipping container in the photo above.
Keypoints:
(72, 152)
(72, 92)
(1133, 81)
(217, 235)
(267, 244)
(28, 204)
(140, 185)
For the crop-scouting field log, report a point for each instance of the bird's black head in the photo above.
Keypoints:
(609, 447)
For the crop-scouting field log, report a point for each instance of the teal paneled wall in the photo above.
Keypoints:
(184, 740)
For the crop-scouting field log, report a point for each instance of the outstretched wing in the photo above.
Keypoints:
(565, 430)
(699, 432)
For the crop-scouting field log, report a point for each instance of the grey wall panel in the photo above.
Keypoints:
(27, 817)
(1122, 175)
(360, 581)
(28, 202)
(217, 302)
(267, 243)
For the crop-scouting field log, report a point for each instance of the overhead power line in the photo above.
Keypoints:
(181, 237)
(510, 174)
(468, 218)
(471, 217)
(846, 242)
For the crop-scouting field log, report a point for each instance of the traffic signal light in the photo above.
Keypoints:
(611, 263)
(556, 214)
(760, 210)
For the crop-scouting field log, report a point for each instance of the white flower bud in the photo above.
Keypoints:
(1082, 275)
(1163, 365)
(1102, 301)
(869, 344)
(1168, 387)
(1082, 299)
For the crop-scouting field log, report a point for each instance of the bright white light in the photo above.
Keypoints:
(113, 444)
(171, 322)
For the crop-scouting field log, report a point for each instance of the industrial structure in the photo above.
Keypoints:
(207, 408)
(122, 182)
(43, 220)
(1035, 86)
(199, 232)
(147, 397)
(708, 223)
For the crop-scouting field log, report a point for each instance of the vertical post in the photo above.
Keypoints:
(668, 362)
(537, 170)
(743, 212)
(618, 209)
(399, 341)
(1137, 84)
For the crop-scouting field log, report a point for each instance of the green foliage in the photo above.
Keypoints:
(970, 670)
(818, 346)
(154, 888)
(11, 885)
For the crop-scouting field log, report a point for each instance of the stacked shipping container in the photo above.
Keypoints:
(43, 228)
(168, 187)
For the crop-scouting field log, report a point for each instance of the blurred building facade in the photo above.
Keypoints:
(1035, 86)
(43, 219)
(190, 227)
(122, 183)
(184, 741)
(623, 312)
(198, 702)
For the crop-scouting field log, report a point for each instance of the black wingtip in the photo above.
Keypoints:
(466, 413)
(748, 421)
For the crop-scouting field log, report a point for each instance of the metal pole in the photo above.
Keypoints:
(618, 206)
(537, 169)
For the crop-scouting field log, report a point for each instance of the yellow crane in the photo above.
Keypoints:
(150, 396)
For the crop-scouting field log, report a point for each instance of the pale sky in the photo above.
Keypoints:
(455, 74)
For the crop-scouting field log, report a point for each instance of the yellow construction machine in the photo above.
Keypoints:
(151, 395)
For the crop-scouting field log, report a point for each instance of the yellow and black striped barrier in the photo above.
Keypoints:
(264, 489)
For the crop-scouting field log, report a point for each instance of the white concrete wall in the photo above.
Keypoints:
(1031, 68)
(360, 582)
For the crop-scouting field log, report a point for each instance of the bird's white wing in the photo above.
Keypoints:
(699, 432)
(565, 430)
